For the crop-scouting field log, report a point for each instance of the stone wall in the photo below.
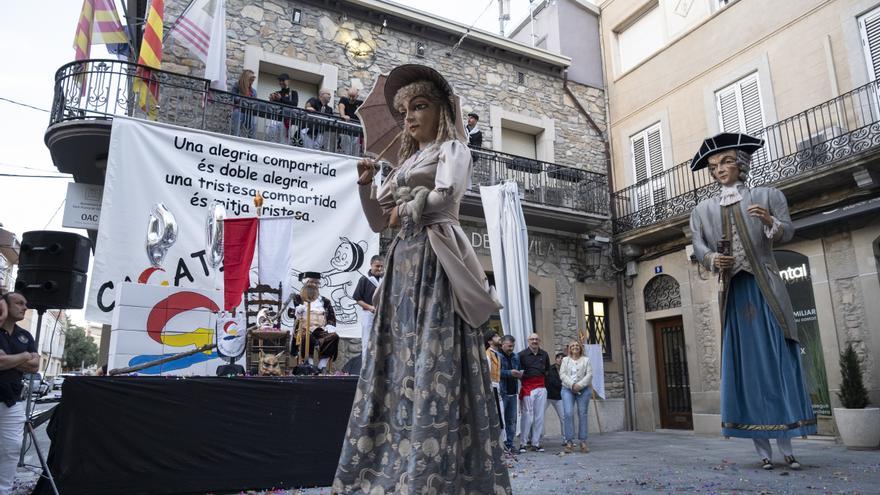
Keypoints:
(849, 302)
(479, 79)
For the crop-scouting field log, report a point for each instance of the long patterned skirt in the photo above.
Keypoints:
(423, 419)
(763, 392)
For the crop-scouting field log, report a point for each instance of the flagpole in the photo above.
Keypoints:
(173, 26)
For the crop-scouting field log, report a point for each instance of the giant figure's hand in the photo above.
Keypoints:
(723, 262)
(761, 214)
(366, 169)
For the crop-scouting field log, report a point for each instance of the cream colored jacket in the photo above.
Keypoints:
(576, 372)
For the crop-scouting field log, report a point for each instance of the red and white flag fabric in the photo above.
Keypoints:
(239, 243)
(276, 250)
(202, 30)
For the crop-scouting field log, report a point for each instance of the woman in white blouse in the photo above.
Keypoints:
(577, 378)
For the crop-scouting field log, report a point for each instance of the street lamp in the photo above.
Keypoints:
(589, 257)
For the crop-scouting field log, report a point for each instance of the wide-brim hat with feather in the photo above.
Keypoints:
(402, 75)
(723, 142)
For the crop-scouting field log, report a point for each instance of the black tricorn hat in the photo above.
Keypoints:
(723, 142)
(309, 275)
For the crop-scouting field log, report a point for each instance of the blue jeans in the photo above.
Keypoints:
(243, 123)
(583, 402)
(509, 406)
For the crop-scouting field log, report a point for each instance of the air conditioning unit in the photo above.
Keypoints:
(820, 137)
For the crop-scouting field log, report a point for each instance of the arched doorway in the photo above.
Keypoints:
(673, 382)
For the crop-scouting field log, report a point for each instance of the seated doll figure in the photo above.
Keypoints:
(314, 314)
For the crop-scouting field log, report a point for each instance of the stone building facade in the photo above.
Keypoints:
(261, 37)
(522, 95)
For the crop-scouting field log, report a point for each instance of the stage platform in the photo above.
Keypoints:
(169, 435)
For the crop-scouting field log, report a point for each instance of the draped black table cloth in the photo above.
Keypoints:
(169, 435)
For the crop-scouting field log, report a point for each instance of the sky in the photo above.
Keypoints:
(38, 44)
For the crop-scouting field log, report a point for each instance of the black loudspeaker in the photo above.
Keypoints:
(51, 289)
(52, 269)
(52, 250)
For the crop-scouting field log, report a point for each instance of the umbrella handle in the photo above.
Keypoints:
(392, 143)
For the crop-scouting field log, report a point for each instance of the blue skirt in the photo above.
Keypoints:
(763, 391)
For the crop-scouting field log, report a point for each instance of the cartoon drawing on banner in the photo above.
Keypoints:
(337, 283)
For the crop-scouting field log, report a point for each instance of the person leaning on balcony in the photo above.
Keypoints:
(313, 133)
(475, 136)
(242, 115)
(286, 96)
(347, 106)
(763, 392)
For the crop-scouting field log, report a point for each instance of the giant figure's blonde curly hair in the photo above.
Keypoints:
(445, 127)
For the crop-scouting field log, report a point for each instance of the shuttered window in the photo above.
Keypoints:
(739, 106)
(647, 156)
(869, 25)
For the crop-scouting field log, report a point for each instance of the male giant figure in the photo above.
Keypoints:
(763, 392)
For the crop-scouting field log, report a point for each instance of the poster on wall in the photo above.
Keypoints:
(794, 268)
(187, 170)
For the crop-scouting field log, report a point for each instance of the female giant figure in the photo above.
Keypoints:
(423, 419)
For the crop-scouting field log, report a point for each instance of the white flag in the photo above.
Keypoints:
(275, 250)
(594, 353)
(202, 29)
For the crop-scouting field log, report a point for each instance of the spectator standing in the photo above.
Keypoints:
(577, 378)
(314, 133)
(346, 107)
(554, 390)
(363, 296)
(493, 356)
(509, 388)
(535, 363)
(18, 355)
(475, 136)
(286, 96)
(242, 112)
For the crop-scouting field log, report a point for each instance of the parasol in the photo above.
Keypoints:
(382, 126)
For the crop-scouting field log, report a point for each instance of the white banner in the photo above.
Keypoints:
(187, 170)
(594, 353)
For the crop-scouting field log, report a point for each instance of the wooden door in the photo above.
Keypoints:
(673, 384)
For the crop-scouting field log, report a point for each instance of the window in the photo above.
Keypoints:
(869, 27)
(518, 143)
(640, 39)
(647, 158)
(597, 328)
(739, 106)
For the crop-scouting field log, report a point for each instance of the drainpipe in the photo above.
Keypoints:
(629, 384)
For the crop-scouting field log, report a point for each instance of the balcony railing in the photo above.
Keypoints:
(102, 89)
(815, 139)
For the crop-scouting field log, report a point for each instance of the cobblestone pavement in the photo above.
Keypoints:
(681, 463)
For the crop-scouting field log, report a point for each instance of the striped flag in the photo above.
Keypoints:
(150, 56)
(202, 30)
(98, 24)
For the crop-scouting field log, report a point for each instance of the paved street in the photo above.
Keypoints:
(674, 462)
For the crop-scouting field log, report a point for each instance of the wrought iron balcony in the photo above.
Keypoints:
(817, 139)
(97, 90)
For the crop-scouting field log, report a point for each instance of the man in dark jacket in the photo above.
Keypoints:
(509, 387)
(554, 388)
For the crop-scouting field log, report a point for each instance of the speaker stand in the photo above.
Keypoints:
(29, 430)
